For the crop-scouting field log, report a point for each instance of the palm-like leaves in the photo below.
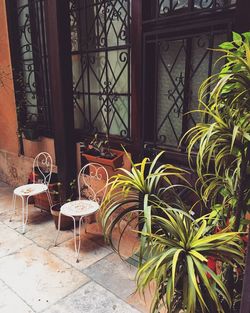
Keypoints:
(227, 109)
(176, 262)
(139, 190)
(223, 136)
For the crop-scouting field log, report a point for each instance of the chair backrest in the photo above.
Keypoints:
(93, 182)
(42, 165)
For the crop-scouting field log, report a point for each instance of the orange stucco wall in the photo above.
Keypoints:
(8, 120)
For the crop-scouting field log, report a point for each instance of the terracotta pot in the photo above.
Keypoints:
(66, 222)
(114, 163)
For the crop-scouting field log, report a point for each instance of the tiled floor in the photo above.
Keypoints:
(35, 276)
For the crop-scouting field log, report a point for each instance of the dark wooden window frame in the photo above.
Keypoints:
(39, 46)
(171, 27)
(134, 144)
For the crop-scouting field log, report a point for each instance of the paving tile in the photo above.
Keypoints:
(114, 274)
(11, 241)
(38, 277)
(10, 302)
(90, 252)
(36, 217)
(43, 233)
(95, 233)
(91, 298)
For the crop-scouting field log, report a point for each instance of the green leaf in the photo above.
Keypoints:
(237, 38)
(247, 36)
(227, 45)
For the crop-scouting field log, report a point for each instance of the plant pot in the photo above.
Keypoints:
(41, 200)
(114, 163)
(66, 222)
(31, 133)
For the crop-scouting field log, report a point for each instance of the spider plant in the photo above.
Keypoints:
(176, 263)
(223, 135)
(138, 190)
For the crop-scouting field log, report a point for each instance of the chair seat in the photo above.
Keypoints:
(30, 190)
(80, 208)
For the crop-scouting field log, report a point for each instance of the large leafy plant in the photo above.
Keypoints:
(175, 246)
(176, 263)
(138, 190)
(223, 135)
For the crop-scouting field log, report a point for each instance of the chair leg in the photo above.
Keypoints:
(79, 241)
(26, 214)
(49, 198)
(75, 235)
(58, 227)
(13, 207)
(23, 214)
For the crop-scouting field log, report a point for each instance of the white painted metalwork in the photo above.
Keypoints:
(43, 165)
(79, 209)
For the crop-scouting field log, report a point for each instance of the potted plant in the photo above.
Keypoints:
(175, 245)
(178, 241)
(137, 191)
(99, 151)
(223, 155)
(66, 222)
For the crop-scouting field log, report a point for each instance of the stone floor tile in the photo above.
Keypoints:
(43, 232)
(91, 298)
(11, 241)
(39, 277)
(90, 252)
(114, 274)
(94, 232)
(36, 217)
(143, 303)
(10, 302)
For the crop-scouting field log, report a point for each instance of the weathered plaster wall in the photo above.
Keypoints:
(8, 120)
(14, 169)
(32, 148)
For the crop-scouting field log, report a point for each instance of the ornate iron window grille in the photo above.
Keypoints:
(31, 65)
(176, 61)
(100, 32)
(170, 7)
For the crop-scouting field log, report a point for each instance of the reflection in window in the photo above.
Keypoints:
(32, 74)
(101, 65)
(179, 78)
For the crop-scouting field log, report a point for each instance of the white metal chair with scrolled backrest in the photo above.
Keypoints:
(93, 180)
(43, 166)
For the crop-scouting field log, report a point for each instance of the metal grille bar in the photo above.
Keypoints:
(100, 33)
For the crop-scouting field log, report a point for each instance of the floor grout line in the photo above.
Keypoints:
(90, 279)
(11, 289)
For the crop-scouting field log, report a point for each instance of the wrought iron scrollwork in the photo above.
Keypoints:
(182, 66)
(102, 72)
(32, 91)
(167, 7)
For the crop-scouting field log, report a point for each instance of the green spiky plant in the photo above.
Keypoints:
(173, 245)
(176, 264)
(137, 191)
(223, 136)
(169, 255)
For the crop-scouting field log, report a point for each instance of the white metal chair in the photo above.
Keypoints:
(43, 165)
(92, 182)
